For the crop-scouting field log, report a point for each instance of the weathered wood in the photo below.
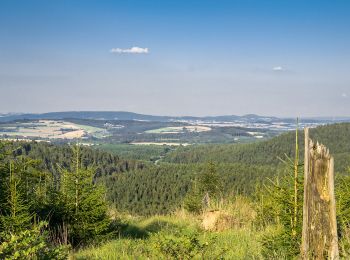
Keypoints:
(305, 238)
(319, 235)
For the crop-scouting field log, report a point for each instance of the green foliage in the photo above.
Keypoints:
(208, 187)
(71, 201)
(276, 206)
(210, 182)
(137, 152)
(30, 244)
(84, 207)
(161, 189)
(343, 213)
(53, 158)
(15, 216)
(193, 199)
(180, 245)
(173, 237)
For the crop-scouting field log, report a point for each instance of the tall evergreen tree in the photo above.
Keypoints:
(15, 214)
(85, 203)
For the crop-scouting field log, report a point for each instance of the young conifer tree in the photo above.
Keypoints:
(15, 215)
(207, 188)
(281, 206)
(86, 217)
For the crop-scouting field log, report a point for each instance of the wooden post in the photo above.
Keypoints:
(319, 235)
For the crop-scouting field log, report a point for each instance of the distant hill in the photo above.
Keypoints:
(103, 115)
(123, 115)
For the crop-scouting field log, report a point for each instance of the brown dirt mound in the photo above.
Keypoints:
(217, 220)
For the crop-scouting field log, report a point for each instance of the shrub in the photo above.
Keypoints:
(180, 245)
(30, 244)
(277, 207)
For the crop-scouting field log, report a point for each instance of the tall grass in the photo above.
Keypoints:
(180, 235)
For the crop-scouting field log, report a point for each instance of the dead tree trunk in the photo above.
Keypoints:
(319, 236)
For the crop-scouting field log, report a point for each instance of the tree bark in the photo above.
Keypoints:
(319, 235)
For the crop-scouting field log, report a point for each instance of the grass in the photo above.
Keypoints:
(177, 236)
(232, 244)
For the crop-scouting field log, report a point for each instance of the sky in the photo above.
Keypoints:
(185, 57)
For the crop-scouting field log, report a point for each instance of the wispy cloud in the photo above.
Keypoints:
(278, 68)
(344, 95)
(132, 50)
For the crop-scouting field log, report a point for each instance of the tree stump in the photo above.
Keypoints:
(319, 235)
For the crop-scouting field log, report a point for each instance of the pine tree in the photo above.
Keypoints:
(210, 182)
(15, 215)
(84, 201)
(193, 199)
(208, 187)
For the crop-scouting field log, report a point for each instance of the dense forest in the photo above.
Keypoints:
(160, 189)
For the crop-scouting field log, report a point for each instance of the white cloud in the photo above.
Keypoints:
(344, 95)
(132, 50)
(278, 68)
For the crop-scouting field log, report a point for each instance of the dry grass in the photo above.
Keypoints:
(232, 214)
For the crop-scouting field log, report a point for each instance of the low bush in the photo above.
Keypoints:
(30, 244)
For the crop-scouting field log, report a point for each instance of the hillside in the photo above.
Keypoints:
(335, 136)
(161, 188)
(54, 158)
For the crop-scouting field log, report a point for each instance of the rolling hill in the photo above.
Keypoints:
(335, 136)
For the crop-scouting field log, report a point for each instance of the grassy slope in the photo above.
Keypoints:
(142, 238)
(240, 244)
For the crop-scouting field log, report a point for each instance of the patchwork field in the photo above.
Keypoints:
(50, 129)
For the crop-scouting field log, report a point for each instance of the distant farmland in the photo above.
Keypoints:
(179, 129)
(50, 129)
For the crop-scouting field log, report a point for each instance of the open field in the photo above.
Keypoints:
(159, 143)
(179, 129)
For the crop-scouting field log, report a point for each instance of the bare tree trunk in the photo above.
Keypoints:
(296, 164)
(319, 236)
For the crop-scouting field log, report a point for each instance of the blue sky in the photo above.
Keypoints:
(283, 58)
